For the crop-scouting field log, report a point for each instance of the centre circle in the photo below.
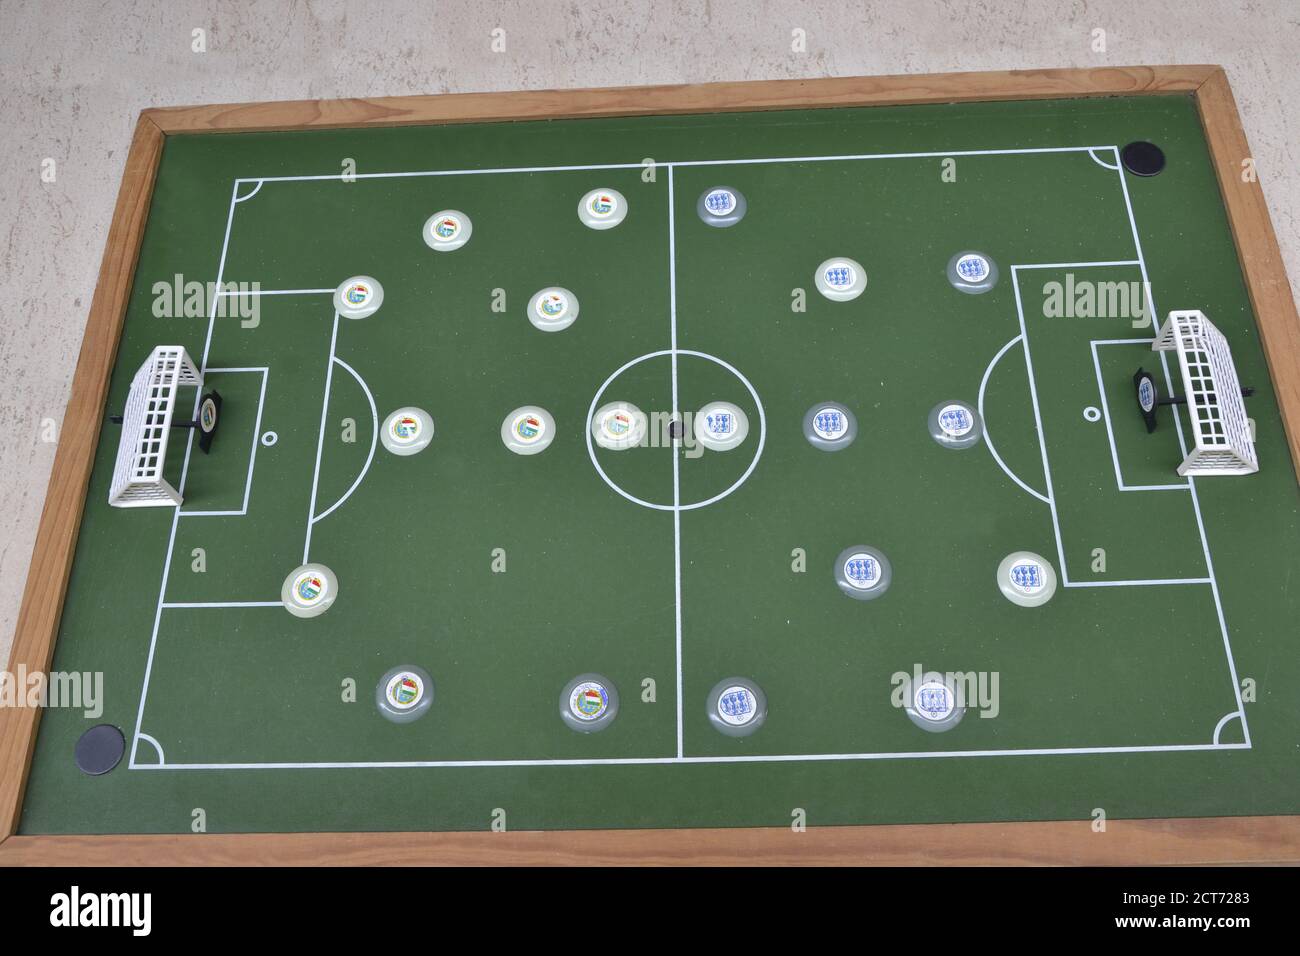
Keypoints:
(682, 506)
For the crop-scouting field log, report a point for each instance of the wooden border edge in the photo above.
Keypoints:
(1258, 253)
(692, 98)
(56, 534)
(1213, 840)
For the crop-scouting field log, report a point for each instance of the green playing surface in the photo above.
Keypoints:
(1159, 681)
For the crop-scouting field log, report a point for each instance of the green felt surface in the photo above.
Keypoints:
(247, 703)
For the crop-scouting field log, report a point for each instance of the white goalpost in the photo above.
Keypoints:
(1223, 443)
(138, 480)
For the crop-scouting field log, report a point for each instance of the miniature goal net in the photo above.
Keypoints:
(1220, 427)
(138, 479)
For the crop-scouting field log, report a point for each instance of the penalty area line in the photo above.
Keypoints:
(238, 293)
(185, 467)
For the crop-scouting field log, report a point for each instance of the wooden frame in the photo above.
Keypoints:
(1215, 840)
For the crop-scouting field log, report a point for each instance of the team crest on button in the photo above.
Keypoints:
(934, 701)
(720, 202)
(309, 590)
(553, 309)
(405, 691)
(737, 705)
(862, 571)
(618, 424)
(552, 306)
(602, 208)
(973, 268)
(721, 206)
(407, 431)
(956, 421)
(839, 276)
(447, 230)
(720, 424)
(841, 279)
(1027, 577)
(406, 428)
(831, 424)
(589, 701)
(358, 297)
(529, 428)
(309, 587)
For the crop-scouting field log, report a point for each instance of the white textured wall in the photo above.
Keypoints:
(74, 74)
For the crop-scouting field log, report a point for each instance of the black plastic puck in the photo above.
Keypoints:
(1143, 158)
(100, 749)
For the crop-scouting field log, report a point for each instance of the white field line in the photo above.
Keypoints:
(1105, 411)
(1050, 499)
(341, 177)
(1223, 722)
(153, 640)
(1182, 443)
(252, 457)
(1100, 162)
(1076, 265)
(1218, 610)
(755, 758)
(172, 605)
(153, 743)
(988, 440)
(1137, 241)
(176, 515)
(1038, 423)
(657, 506)
(374, 439)
(677, 484)
(1142, 582)
(221, 272)
(1033, 388)
(320, 441)
(249, 292)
